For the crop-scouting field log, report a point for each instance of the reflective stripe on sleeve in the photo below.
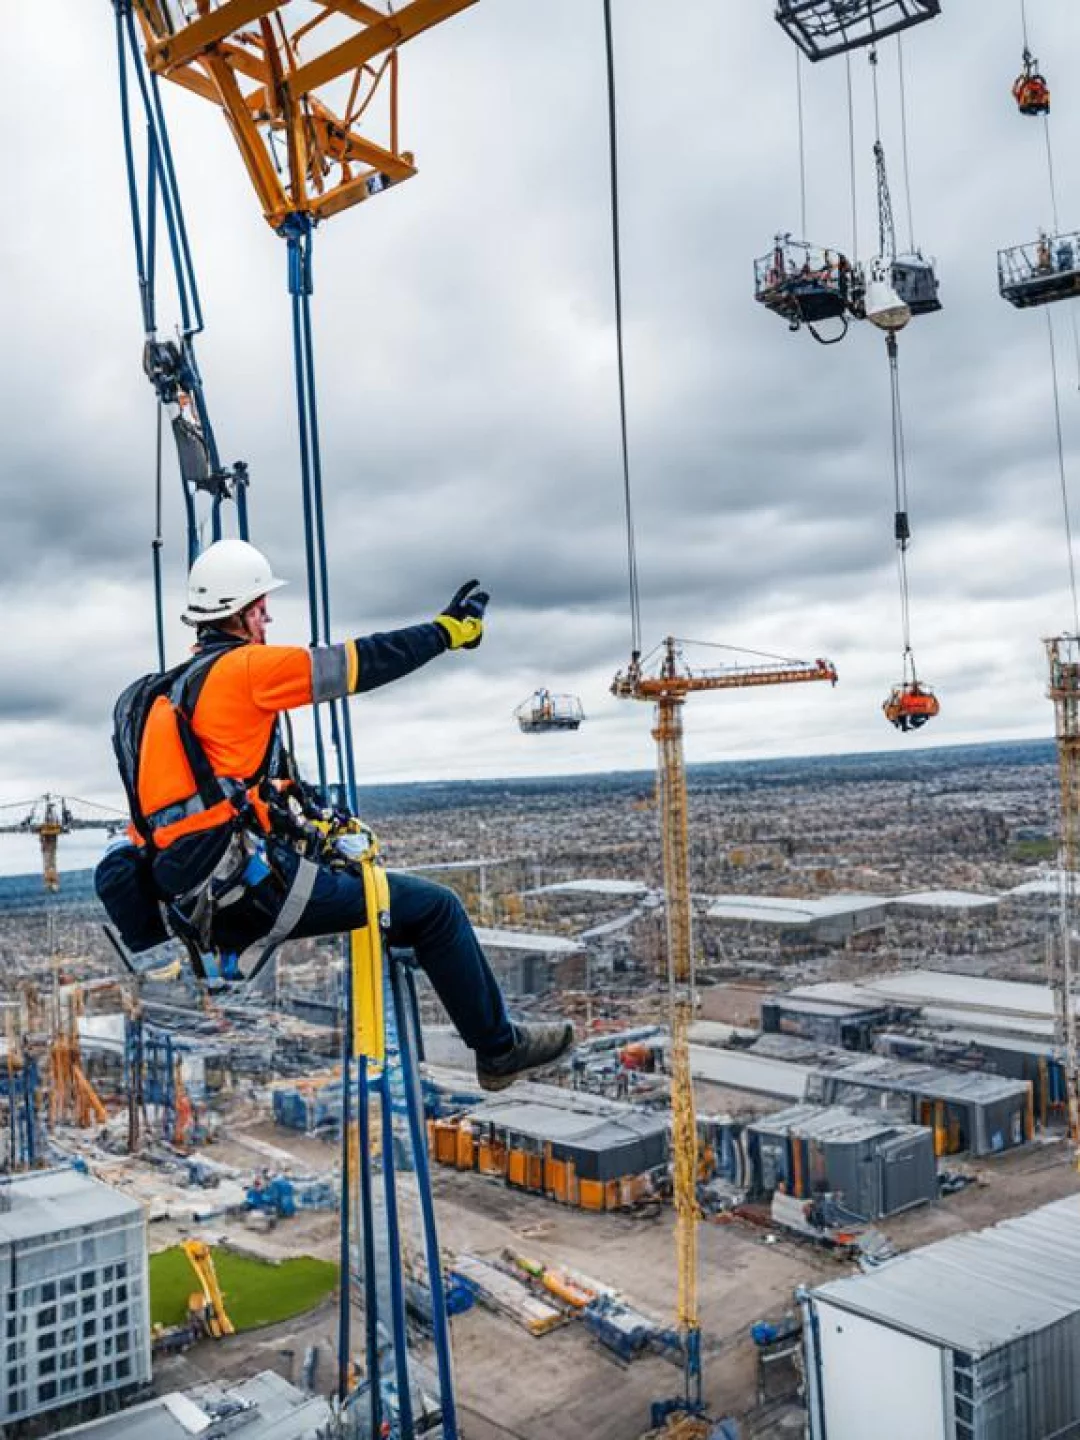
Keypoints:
(330, 671)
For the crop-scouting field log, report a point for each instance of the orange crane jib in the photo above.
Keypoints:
(316, 78)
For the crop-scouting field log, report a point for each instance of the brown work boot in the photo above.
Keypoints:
(535, 1045)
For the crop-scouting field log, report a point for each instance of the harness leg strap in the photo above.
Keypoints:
(293, 906)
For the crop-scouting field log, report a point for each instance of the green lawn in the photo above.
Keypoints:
(255, 1293)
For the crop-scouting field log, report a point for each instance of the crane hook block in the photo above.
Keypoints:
(903, 529)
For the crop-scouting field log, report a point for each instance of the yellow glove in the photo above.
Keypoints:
(462, 622)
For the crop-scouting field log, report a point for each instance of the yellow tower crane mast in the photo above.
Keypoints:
(1063, 653)
(309, 88)
(668, 686)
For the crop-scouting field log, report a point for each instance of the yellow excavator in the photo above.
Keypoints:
(206, 1307)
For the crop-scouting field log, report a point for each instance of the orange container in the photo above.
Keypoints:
(592, 1194)
(466, 1147)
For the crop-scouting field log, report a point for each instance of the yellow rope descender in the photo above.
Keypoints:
(310, 90)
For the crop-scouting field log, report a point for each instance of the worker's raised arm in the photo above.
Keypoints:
(279, 681)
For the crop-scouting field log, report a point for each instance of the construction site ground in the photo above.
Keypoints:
(513, 1384)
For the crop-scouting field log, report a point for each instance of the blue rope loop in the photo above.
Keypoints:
(171, 366)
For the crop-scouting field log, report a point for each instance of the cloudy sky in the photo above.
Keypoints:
(467, 386)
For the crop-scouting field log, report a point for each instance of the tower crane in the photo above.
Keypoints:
(668, 686)
(50, 816)
(1063, 654)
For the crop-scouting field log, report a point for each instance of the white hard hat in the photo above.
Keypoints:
(226, 577)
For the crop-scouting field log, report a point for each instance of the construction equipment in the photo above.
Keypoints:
(207, 1307)
(1063, 653)
(72, 1098)
(910, 705)
(50, 816)
(295, 82)
(1030, 90)
(822, 28)
(543, 712)
(668, 686)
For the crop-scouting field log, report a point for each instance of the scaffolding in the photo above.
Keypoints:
(1063, 653)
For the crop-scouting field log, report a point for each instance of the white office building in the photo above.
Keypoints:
(74, 1293)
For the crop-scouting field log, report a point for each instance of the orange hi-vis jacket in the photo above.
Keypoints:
(236, 711)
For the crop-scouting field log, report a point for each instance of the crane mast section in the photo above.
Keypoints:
(1063, 653)
(250, 58)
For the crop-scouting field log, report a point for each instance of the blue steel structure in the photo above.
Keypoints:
(19, 1085)
(370, 1223)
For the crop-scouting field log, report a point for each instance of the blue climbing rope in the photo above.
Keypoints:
(171, 366)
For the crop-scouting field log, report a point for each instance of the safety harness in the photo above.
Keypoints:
(227, 872)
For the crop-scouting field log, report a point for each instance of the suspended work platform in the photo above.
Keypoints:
(911, 705)
(543, 712)
(915, 281)
(1045, 270)
(822, 28)
(805, 284)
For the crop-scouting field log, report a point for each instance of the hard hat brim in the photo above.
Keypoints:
(208, 616)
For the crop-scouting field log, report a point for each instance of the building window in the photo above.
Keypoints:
(106, 1374)
(46, 1392)
(47, 1316)
(48, 1290)
(68, 1334)
(123, 1341)
(68, 1285)
(121, 1270)
(68, 1360)
(107, 1273)
(69, 1309)
(123, 1369)
(47, 1341)
(12, 1326)
(121, 1293)
(13, 1350)
(88, 1305)
(90, 1377)
(89, 1328)
(106, 1322)
(107, 1298)
(121, 1318)
(90, 1351)
(47, 1365)
(87, 1281)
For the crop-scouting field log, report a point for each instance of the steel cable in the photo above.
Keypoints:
(631, 544)
(1062, 477)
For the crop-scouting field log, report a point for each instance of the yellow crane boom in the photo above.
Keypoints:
(302, 88)
(668, 688)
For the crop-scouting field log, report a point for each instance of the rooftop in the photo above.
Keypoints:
(46, 1203)
(265, 1406)
(831, 1123)
(937, 987)
(977, 1292)
(592, 887)
(786, 910)
(584, 1129)
(524, 940)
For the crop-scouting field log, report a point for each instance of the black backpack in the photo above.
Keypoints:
(124, 877)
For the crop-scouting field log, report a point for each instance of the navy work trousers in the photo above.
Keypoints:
(426, 918)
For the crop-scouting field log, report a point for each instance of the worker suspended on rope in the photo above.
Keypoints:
(234, 849)
(1030, 90)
